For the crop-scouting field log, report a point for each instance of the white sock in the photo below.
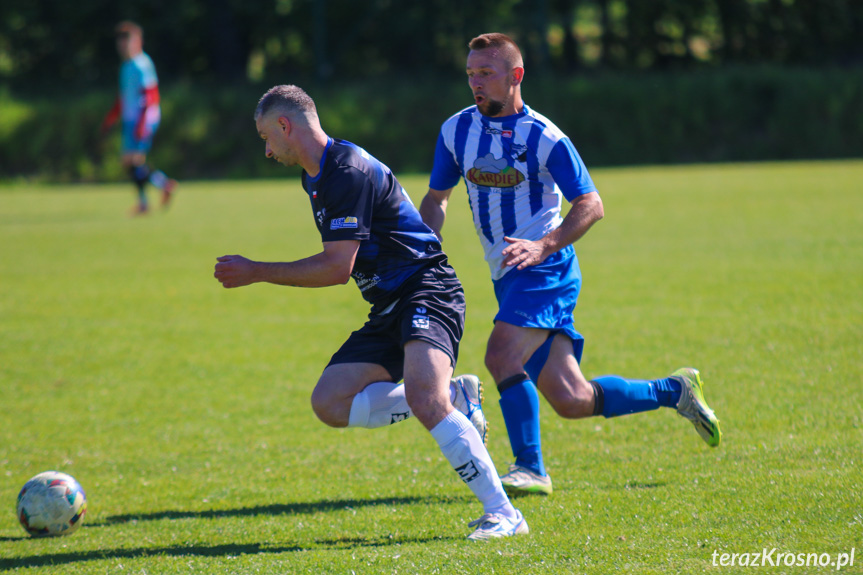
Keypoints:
(462, 446)
(379, 404)
(159, 179)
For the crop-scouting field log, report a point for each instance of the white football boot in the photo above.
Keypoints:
(493, 525)
(468, 400)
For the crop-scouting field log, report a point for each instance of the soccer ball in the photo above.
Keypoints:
(51, 503)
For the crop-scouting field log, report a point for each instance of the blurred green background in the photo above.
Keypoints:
(631, 81)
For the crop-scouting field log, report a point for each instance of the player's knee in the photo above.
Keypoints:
(327, 409)
(428, 408)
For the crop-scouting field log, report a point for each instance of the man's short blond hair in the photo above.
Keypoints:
(289, 100)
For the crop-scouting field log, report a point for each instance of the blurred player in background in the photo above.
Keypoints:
(137, 106)
(518, 168)
(372, 232)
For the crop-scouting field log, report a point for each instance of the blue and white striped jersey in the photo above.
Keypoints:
(517, 169)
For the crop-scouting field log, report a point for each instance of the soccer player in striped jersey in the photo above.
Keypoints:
(519, 168)
(137, 106)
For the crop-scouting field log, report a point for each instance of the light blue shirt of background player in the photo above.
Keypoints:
(139, 87)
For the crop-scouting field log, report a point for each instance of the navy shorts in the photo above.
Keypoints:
(432, 310)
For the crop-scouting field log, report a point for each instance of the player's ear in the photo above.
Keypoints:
(285, 124)
(517, 75)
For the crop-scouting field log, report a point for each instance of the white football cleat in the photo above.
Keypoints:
(468, 400)
(493, 525)
(522, 481)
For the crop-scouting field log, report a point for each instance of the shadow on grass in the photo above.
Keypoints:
(206, 551)
(276, 509)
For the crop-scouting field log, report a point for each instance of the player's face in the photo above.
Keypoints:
(273, 129)
(128, 44)
(492, 82)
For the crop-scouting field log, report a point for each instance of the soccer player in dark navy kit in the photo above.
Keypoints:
(372, 232)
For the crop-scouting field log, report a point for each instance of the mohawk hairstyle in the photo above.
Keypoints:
(505, 46)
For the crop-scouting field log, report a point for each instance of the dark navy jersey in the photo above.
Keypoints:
(356, 197)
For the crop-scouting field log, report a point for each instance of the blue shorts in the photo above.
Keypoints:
(131, 144)
(543, 297)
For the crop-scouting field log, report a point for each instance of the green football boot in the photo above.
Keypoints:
(693, 407)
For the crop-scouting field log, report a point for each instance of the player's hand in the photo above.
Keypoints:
(522, 253)
(235, 271)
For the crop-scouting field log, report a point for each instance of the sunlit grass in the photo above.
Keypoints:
(183, 408)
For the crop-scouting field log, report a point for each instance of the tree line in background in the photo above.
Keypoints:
(631, 81)
(54, 43)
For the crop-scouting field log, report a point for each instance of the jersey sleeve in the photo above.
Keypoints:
(568, 170)
(348, 201)
(445, 172)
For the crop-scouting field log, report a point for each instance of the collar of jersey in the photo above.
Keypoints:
(323, 159)
(504, 119)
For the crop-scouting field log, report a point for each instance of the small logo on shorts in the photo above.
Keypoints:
(396, 417)
(421, 320)
(468, 472)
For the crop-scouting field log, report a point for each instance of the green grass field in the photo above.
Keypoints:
(183, 408)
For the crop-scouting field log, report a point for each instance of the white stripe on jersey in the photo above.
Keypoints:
(505, 163)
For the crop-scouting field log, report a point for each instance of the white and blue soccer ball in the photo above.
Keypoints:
(51, 503)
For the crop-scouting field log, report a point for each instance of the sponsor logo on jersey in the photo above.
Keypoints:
(494, 172)
(496, 132)
(518, 152)
(468, 472)
(343, 223)
(365, 283)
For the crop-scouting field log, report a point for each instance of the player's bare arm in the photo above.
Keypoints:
(586, 210)
(330, 267)
(433, 209)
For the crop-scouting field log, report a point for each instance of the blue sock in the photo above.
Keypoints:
(519, 403)
(667, 391)
(624, 396)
